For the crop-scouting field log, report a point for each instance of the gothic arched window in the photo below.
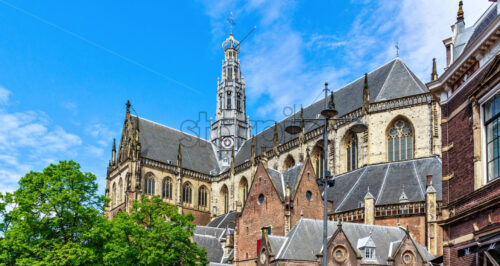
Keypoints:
(202, 196)
(113, 194)
(225, 197)
(400, 141)
(149, 184)
(120, 190)
(318, 156)
(243, 190)
(352, 151)
(289, 162)
(187, 192)
(167, 188)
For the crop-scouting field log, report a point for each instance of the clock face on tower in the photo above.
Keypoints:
(227, 142)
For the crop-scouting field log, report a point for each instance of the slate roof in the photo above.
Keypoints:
(212, 246)
(288, 177)
(303, 242)
(210, 231)
(385, 182)
(161, 143)
(392, 80)
(465, 39)
(227, 220)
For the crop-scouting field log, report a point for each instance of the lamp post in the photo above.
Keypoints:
(328, 113)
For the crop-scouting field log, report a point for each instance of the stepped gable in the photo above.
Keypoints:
(392, 80)
(161, 143)
(302, 243)
(385, 182)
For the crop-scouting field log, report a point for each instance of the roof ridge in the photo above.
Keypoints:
(209, 236)
(383, 183)
(412, 75)
(156, 123)
(289, 239)
(371, 72)
(350, 191)
(386, 78)
(418, 180)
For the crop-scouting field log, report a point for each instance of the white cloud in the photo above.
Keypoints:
(4, 95)
(29, 140)
(100, 132)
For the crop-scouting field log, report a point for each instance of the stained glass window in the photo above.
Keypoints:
(400, 142)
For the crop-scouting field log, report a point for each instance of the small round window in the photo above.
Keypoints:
(261, 199)
(309, 195)
(407, 257)
(340, 254)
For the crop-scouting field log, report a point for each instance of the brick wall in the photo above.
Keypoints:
(254, 216)
(310, 209)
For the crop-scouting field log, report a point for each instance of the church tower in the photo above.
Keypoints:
(231, 126)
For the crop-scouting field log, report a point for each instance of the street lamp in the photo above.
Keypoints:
(328, 113)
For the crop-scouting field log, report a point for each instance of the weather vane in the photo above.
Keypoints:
(231, 22)
(397, 49)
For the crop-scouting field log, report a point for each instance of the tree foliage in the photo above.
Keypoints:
(56, 218)
(154, 233)
(52, 218)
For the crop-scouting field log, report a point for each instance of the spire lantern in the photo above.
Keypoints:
(230, 42)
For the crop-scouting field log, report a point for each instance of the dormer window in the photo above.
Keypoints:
(367, 247)
(369, 253)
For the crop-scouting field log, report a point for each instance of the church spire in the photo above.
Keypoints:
(231, 127)
(434, 74)
(460, 13)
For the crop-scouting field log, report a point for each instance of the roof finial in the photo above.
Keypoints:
(397, 49)
(114, 145)
(231, 22)
(434, 74)
(460, 13)
(128, 106)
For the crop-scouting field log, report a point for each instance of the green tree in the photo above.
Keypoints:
(53, 218)
(153, 233)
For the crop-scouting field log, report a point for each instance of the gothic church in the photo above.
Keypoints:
(387, 171)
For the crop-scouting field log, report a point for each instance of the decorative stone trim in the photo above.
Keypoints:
(448, 176)
(447, 147)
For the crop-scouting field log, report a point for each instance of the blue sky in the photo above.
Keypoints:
(68, 67)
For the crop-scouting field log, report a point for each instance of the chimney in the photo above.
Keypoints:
(429, 180)
(369, 208)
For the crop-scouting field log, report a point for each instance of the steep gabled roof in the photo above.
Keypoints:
(161, 143)
(385, 182)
